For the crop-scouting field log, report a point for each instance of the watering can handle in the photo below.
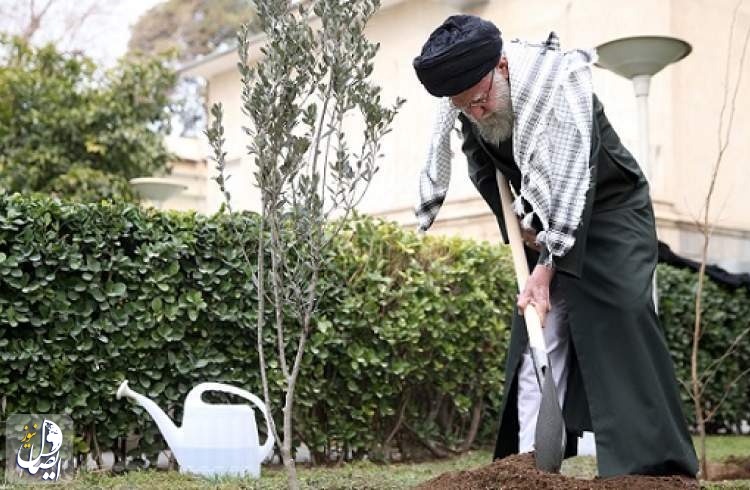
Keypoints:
(196, 393)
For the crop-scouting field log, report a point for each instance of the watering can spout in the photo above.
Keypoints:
(170, 431)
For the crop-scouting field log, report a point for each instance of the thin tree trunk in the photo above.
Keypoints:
(476, 418)
(697, 398)
(435, 409)
(401, 446)
(396, 426)
(277, 297)
(291, 469)
(95, 447)
(342, 454)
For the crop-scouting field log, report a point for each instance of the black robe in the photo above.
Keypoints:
(621, 383)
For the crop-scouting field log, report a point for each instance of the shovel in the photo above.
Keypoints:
(549, 437)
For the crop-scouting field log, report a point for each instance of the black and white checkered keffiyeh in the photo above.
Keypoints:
(552, 97)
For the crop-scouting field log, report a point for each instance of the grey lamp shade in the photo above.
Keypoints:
(155, 188)
(641, 55)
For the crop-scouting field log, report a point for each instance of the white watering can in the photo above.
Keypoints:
(214, 439)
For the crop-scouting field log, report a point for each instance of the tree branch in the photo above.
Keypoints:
(437, 450)
(711, 371)
(728, 387)
(399, 419)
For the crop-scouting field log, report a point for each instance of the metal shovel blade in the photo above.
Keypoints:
(549, 439)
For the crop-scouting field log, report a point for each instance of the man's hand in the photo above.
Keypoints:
(536, 291)
(529, 238)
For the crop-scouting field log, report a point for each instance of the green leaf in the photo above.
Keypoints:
(43, 405)
(164, 331)
(98, 295)
(116, 289)
(156, 304)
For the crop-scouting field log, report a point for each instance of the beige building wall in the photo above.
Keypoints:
(699, 90)
(685, 102)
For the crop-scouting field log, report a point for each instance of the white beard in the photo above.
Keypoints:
(497, 126)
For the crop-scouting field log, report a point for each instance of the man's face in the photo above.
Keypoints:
(478, 99)
(487, 105)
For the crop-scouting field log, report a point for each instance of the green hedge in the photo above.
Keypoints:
(93, 294)
(411, 332)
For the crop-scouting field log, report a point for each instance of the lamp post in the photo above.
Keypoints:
(156, 189)
(639, 58)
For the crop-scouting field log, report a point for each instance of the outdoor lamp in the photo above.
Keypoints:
(639, 58)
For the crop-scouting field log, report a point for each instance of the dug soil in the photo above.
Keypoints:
(517, 472)
(734, 468)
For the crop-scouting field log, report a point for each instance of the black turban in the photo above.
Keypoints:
(458, 54)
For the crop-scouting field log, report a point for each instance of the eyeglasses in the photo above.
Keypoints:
(478, 101)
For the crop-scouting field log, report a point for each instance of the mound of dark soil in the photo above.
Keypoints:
(517, 472)
(734, 468)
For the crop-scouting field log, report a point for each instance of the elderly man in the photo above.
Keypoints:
(529, 111)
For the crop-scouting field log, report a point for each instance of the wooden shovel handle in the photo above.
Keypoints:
(533, 323)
